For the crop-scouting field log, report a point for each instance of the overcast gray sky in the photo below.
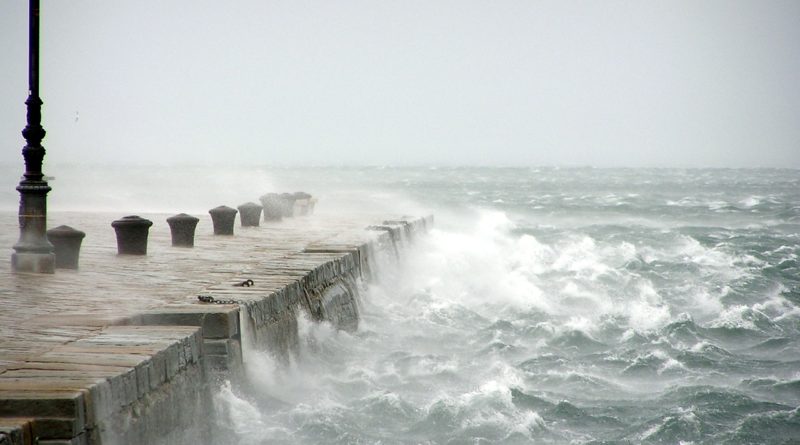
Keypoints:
(500, 82)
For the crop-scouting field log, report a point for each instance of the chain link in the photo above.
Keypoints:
(245, 283)
(211, 300)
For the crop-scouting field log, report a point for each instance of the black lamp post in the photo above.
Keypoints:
(33, 253)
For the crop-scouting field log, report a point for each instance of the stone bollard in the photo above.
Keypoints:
(132, 235)
(249, 214)
(273, 206)
(288, 204)
(301, 203)
(223, 218)
(182, 228)
(67, 242)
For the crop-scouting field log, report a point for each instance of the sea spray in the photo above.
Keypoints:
(620, 306)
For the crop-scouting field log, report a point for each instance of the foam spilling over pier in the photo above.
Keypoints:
(129, 349)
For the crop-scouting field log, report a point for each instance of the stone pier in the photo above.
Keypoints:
(122, 351)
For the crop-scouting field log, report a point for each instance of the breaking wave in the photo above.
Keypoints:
(576, 313)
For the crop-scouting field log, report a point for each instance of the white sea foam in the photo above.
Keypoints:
(487, 267)
(481, 268)
(241, 415)
(648, 311)
(750, 201)
(741, 316)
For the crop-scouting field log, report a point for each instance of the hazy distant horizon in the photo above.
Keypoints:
(298, 166)
(532, 83)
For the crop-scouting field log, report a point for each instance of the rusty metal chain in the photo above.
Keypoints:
(211, 300)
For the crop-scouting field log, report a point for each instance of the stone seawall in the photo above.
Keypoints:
(148, 377)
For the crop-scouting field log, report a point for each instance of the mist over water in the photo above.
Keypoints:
(558, 306)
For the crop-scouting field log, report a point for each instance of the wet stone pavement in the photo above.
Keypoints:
(39, 312)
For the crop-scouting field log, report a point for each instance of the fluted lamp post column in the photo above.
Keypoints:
(33, 253)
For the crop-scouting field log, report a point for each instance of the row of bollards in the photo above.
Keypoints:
(132, 231)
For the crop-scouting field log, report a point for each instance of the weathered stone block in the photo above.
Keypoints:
(173, 358)
(221, 324)
(216, 321)
(157, 371)
(45, 404)
(124, 389)
(76, 441)
(195, 347)
(16, 431)
(54, 428)
(143, 378)
(217, 347)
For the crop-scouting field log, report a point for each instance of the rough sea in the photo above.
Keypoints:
(567, 306)
(575, 306)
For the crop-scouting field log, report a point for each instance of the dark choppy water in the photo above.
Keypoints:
(560, 306)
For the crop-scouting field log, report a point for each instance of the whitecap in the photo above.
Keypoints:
(750, 201)
(241, 415)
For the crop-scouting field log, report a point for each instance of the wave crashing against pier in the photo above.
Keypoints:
(124, 352)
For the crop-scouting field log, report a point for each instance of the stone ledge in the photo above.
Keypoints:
(217, 321)
(69, 405)
(16, 431)
(68, 388)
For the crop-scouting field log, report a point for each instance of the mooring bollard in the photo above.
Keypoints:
(249, 214)
(288, 204)
(67, 242)
(182, 228)
(132, 235)
(301, 203)
(223, 218)
(273, 206)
